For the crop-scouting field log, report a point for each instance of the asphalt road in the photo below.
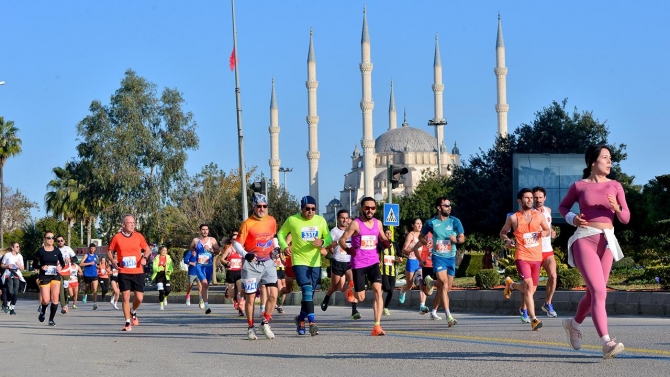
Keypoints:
(183, 341)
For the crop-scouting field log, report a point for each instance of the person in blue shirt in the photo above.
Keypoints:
(191, 259)
(447, 232)
(90, 267)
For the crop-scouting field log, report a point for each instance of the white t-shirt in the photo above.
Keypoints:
(546, 241)
(11, 259)
(339, 254)
(67, 253)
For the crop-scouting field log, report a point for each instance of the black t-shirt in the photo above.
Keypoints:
(48, 258)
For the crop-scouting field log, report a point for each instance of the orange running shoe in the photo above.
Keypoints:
(377, 331)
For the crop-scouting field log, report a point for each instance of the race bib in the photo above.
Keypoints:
(115, 272)
(389, 260)
(309, 233)
(51, 270)
(235, 264)
(531, 239)
(368, 242)
(443, 246)
(66, 283)
(103, 271)
(205, 258)
(250, 285)
(129, 262)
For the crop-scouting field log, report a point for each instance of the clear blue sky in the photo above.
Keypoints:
(610, 57)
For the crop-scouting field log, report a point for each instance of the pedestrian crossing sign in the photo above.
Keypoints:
(391, 214)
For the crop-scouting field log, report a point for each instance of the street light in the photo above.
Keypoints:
(437, 123)
(285, 170)
(350, 189)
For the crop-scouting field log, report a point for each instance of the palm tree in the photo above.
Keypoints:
(10, 145)
(63, 200)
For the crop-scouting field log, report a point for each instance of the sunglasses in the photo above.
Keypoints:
(446, 205)
(48, 238)
(261, 206)
(60, 240)
(369, 208)
(312, 209)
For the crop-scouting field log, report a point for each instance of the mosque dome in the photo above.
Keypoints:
(405, 138)
(335, 203)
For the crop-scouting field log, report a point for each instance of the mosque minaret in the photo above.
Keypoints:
(367, 104)
(274, 138)
(312, 123)
(501, 75)
(393, 121)
(438, 89)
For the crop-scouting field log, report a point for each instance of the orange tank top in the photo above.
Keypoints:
(528, 237)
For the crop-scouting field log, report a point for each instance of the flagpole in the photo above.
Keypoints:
(240, 135)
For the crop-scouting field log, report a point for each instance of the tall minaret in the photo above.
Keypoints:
(274, 138)
(367, 104)
(501, 75)
(438, 89)
(393, 121)
(312, 123)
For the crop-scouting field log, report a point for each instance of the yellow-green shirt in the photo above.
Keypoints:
(303, 232)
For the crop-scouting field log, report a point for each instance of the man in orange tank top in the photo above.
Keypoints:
(529, 227)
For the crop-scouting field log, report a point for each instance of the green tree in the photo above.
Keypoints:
(10, 145)
(135, 148)
(33, 234)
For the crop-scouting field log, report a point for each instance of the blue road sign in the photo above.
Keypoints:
(391, 214)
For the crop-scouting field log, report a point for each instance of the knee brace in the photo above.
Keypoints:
(307, 292)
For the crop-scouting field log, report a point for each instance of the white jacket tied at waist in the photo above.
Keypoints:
(586, 231)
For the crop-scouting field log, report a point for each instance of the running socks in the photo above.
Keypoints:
(52, 311)
(605, 339)
(44, 308)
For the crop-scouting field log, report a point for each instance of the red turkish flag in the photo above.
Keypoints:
(232, 60)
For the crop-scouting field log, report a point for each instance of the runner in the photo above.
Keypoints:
(205, 248)
(288, 272)
(73, 282)
(12, 263)
(90, 267)
(233, 262)
(340, 265)
(447, 232)
(191, 260)
(114, 281)
(309, 235)
(132, 252)
(412, 264)
(281, 278)
(387, 257)
(365, 233)
(103, 277)
(48, 261)
(528, 226)
(548, 261)
(68, 253)
(424, 279)
(255, 244)
(162, 269)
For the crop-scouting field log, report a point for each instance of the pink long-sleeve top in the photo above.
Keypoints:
(593, 202)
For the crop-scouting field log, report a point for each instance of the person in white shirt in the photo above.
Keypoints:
(68, 253)
(12, 263)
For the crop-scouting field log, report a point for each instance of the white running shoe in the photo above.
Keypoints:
(435, 317)
(612, 348)
(251, 333)
(165, 302)
(574, 335)
(265, 329)
(202, 304)
(188, 300)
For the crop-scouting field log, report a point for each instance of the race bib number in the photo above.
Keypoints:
(368, 242)
(443, 246)
(389, 260)
(531, 239)
(51, 270)
(103, 271)
(204, 258)
(66, 284)
(309, 233)
(129, 262)
(250, 285)
(115, 273)
(235, 264)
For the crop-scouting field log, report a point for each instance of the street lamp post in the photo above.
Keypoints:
(350, 189)
(285, 170)
(437, 123)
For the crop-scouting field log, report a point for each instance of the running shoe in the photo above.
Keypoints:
(6, 309)
(280, 310)
(63, 311)
(428, 282)
(356, 316)
(127, 327)
(12, 312)
(386, 311)
(435, 317)
(267, 331)
(85, 298)
(324, 305)
(451, 321)
(111, 302)
(41, 317)
(549, 309)
(165, 301)
(115, 307)
(508, 287)
(208, 311)
(75, 306)
(135, 320)
(161, 308)
(313, 329)
(423, 310)
(300, 326)
(536, 324)
(401, 299)
(202, 304)
(612, 348)
(416, 281)
(251, 333)
(52, 324)
(188, 300)
(524, 315)
(240, 313)
(574, 335)
(377, 331)
(95, 306)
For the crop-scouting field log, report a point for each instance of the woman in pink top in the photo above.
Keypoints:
(593, 247)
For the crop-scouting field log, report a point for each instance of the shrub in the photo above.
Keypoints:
(660, 272)
(220, 278)
(512, 272)
(325, 284)
(624, 263)
(568, 279)
(179, 280)
(487, 279)
(470, 265)
(296, 287)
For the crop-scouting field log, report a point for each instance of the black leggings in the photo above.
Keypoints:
(163, 293)
(12, 286)
(104, 287)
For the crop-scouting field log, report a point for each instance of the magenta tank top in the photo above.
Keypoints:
(365, 244)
